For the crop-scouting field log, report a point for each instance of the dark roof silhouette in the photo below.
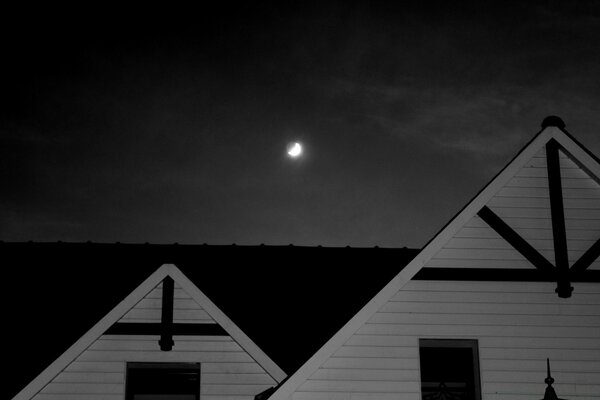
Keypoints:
(288, 299)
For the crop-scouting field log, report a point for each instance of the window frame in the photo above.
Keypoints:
(157, 366)
(472, 344)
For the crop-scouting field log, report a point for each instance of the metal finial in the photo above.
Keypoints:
(550, 393)
(549, 380)
(553, 120)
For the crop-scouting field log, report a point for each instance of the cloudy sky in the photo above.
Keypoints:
(163, 125)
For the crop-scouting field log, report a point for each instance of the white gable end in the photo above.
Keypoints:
(185, 309)
(231, 365)
(516, 325)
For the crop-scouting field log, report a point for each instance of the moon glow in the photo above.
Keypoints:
(294, 149)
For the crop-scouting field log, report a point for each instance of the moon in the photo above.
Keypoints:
(294, 150)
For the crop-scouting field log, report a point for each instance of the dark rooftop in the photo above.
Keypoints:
(289, 299)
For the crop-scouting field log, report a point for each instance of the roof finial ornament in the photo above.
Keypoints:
(550, 392)
(553, 120)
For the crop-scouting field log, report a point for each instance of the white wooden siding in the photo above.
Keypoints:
(587, 206)
(524, 204)
(185, 309)
(517, 325)
(227, 371)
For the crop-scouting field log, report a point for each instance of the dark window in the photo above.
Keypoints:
(449, 369)
(163, 381)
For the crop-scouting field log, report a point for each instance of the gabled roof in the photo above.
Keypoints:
(552, 129)
(41, 281)
(167, 270)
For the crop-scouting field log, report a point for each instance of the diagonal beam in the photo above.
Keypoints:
(515, 240)
(587, 258)
(559, 234)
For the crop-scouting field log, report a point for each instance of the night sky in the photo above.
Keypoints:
(138, 124)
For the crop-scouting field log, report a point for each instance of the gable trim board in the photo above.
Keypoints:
(109, 321)
(582, 157)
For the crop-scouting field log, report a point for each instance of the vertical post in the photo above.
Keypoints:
(166, 331)
(561, 255)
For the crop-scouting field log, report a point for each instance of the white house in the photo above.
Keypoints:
(166, 339)
(511, 281)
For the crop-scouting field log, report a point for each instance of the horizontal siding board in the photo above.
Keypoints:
(528, 234)
(371, 363)
(586, 390)
(490, 308)
(187, 315)
(236, 379)
(499, 243)
(533, 389)
(226, 397)
(504, 287)
(486, 319)
(165, 356)
(90, 377)
(536, 377)
(582, 224)
(513, 396)
(178, 293)
(178, 304)
(521, 202)
(480, 254)
(489, 342)
(476, 263)
(590, 204)
(545, 213)
(558, 366)
(156, 303)
(366, 374)
(568, 193)
(548, 343)
(540, 354)
(96, 366)
(232, 368)
(507, 296)
(142, 315)
(249, 390)
(376, 352)
(538, 223)
(522, 182)
(180, 345)
(153, 338)
(360, 386)
(378, 340)
(503, 364)
(568, 182)
(354, 396)
(65, 396)
(533, 172)
(84, 388)
(439, 262)
(477, 330)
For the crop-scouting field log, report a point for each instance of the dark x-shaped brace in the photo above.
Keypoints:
(561, 271)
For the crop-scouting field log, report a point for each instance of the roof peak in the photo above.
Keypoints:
(553, 120)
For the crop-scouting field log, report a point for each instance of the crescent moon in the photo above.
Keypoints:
(295, 150)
